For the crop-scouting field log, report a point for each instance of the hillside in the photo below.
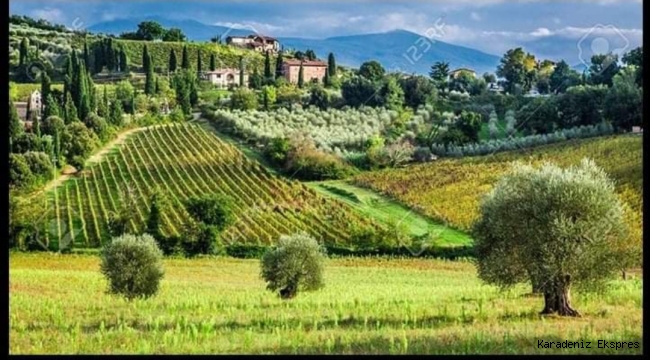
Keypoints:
(184, 161)
(51, 44)
(450, 190)
(391, 48)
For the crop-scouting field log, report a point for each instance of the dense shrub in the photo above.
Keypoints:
(20, 175)
(40, 165)
(132, 265)
(213, 210)
(200, 239)
(295, 264)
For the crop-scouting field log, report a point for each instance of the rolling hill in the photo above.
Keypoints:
(391, 48)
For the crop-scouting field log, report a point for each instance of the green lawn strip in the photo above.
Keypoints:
(386, 210)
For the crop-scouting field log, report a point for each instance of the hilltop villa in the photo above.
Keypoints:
(255, 42)
(454, 74)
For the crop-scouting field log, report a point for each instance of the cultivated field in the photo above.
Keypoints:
(219, 305)
(450, 190)
(182, 161)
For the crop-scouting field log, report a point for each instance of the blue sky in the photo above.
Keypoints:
(489, 25)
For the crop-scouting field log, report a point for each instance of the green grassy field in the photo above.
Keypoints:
(218, 305)
(388, 212)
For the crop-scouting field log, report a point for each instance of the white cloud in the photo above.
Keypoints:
(541, 32)
(52, 15)
(475, 16)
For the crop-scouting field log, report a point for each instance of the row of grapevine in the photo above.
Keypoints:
(185, 160)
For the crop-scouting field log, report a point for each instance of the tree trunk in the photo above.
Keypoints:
(557, 298)
(624, 275)
(537, 288)
(289, 291)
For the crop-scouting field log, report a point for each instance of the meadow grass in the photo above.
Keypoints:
(58, 305)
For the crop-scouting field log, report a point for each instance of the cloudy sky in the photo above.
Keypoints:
(489, 25)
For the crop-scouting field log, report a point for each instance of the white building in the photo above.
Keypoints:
(224, 78)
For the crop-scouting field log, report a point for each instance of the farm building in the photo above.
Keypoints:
(311, 70)
(224, 78)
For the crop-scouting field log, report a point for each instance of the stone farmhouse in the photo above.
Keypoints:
(311, 70)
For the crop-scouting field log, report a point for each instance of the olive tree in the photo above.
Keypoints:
(555, 228)
(133, 266)
(296, 263)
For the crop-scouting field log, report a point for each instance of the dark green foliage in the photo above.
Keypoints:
(172, 60)
(199, 64)
(16, 128)
(23, 52)
(201, 239)
(243, 99)
(115, 116)
(295, 264)
(319, 97)
(40, 165)
(310, 55)
(19, 172)
(372, 70)
(27, 142)
(213, 62)
(268, 73)
(158, 204)
(214, 210)
(278, 65)
(133, 266)
(150, 30)
(185, 61)
(603, 68)
(359, 91)
(277, 150)
(255, 80)
(78, 143)
(150, 81)
(331, 65)
(301, 76)
(45, 87)
(418, 90)
(174, 34)
(469, 124)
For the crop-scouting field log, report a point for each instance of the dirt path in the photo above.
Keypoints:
(94, 158)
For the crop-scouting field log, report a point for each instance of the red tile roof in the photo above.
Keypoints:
(296, 62)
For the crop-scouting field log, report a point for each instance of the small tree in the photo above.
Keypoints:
(133, 266)
(213, 210)
(296, 263)
(301, 76)
(555, 228)
(243, 99)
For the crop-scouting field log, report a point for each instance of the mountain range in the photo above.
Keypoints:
(397, 50)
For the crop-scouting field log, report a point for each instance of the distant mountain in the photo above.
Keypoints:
(193, 29)
(397, 50)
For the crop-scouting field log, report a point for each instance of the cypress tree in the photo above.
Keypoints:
(268, 75)
(301, 76)
(15, 125)
(331, 65)
(23, 51)
(278, 65)
(326, 80)
(172, 61)
(157, 87)
(124, 61)
(185, 61)
(199, 65)
(213, 62)
(45, 89)
(102, 105)
(86, 56)
(150, 84)
(145, 59)
(70, 110)
(115, 113)
(241, 70)
(51, 107)
(98, 64)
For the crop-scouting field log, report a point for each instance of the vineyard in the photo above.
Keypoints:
(450, 190)
(185, 160)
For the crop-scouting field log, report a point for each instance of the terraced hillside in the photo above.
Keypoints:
(450, 190)
(185, 160)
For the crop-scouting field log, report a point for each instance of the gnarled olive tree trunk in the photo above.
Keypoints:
(557, 298)
(290, 290)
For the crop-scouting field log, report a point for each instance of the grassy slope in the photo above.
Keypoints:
(368, 203)
(388, 211)
(58, 305)
(450, 190)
